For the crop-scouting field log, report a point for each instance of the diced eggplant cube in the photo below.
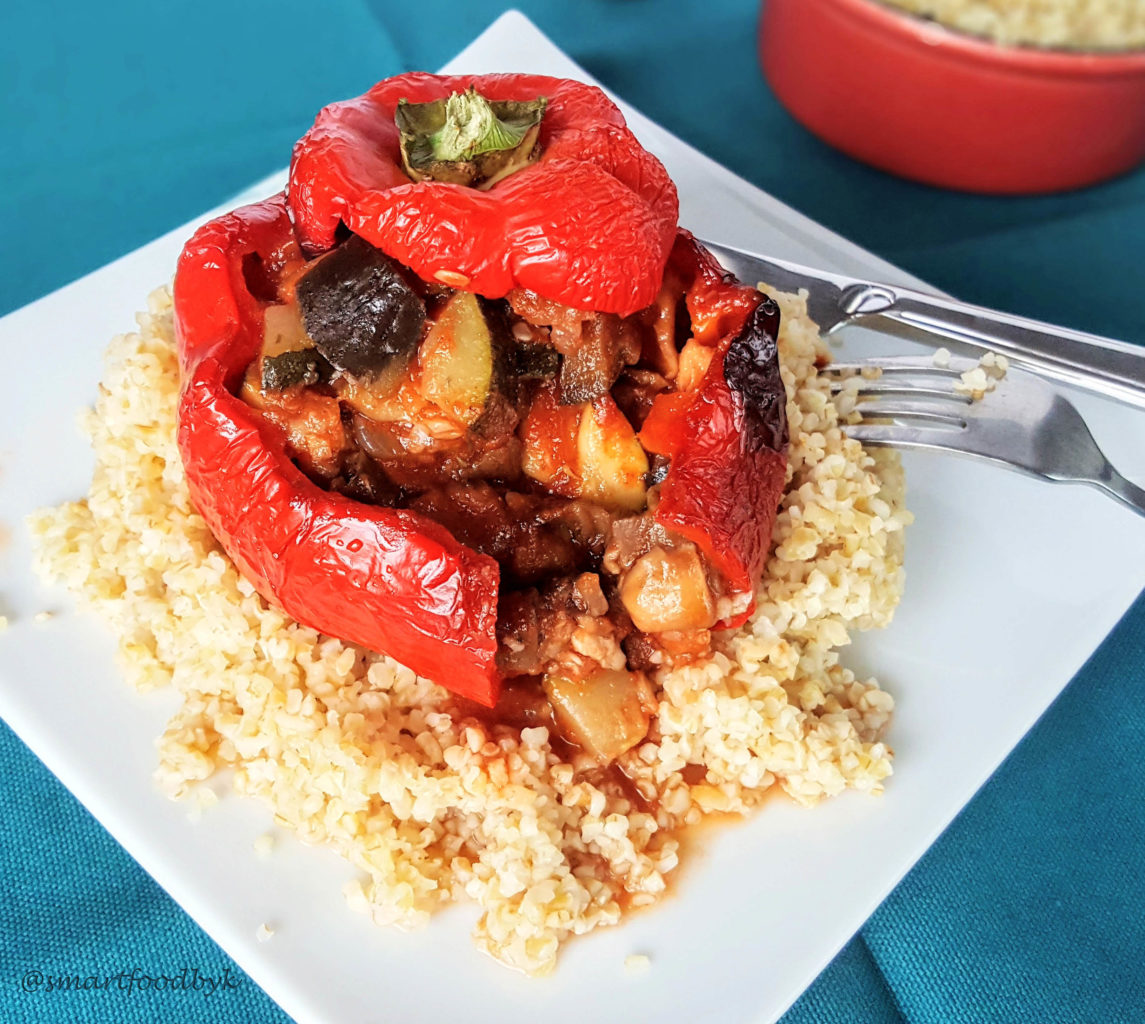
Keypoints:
(360, 308)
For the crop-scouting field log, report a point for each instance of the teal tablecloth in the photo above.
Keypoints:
(120, 121)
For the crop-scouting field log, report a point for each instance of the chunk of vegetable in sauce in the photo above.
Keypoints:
(311, 423)
(360, 308)
(445, 387)
(666, 589)
(549, 435)
(602, 713)
(589, 369)
(455, 362)
(588, 451)
(611, 463)
(289, 357)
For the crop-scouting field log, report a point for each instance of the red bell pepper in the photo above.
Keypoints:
(727, 440)
(387, 579)
(590, 224)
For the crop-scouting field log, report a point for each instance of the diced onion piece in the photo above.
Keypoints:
(376, 439)
(667, 590)
(610, 462)
(695, 358)
(283, 330)
(603, 713)
(387, 398)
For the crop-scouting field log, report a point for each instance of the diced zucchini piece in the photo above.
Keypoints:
(534, 361)
(289, 357)
(610, 462)
(455, 362)
(290, 369)
(386, 397)
(602, 713)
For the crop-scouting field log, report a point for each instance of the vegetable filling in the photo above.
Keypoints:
(518, 425)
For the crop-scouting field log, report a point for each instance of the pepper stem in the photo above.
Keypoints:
(471, 128)
(467, 139)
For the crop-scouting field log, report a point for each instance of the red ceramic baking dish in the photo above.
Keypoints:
(938, 106)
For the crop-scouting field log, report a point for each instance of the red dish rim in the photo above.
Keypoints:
(1087, 63)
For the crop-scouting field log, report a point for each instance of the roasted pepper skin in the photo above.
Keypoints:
(589, 225)
(727, 440)
(387, 579)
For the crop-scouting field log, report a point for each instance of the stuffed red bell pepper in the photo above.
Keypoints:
(466, 395)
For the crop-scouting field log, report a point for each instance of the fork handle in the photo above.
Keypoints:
(1112, 369)
(1125, 491)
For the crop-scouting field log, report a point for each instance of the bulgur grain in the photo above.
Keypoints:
(353, 750)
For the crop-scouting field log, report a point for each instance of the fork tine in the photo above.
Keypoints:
(949, 442)
(893, 435)
(901, 364)
(943, 408)
(1023, 425)
(901, 375)
(901, 384)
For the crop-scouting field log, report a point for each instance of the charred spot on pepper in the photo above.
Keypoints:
(751, 367)
(360, 308)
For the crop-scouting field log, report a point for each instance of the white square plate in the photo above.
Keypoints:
(1012, 584)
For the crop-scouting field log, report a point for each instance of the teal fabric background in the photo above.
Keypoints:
(122, 121)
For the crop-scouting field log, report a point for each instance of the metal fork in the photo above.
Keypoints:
(1023, 423)
(1103, 366)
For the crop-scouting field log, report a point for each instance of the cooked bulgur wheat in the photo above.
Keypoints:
(353, 750)
(1058, 24)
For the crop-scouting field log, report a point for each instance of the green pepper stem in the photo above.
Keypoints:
(471, 128)
(467, 139)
